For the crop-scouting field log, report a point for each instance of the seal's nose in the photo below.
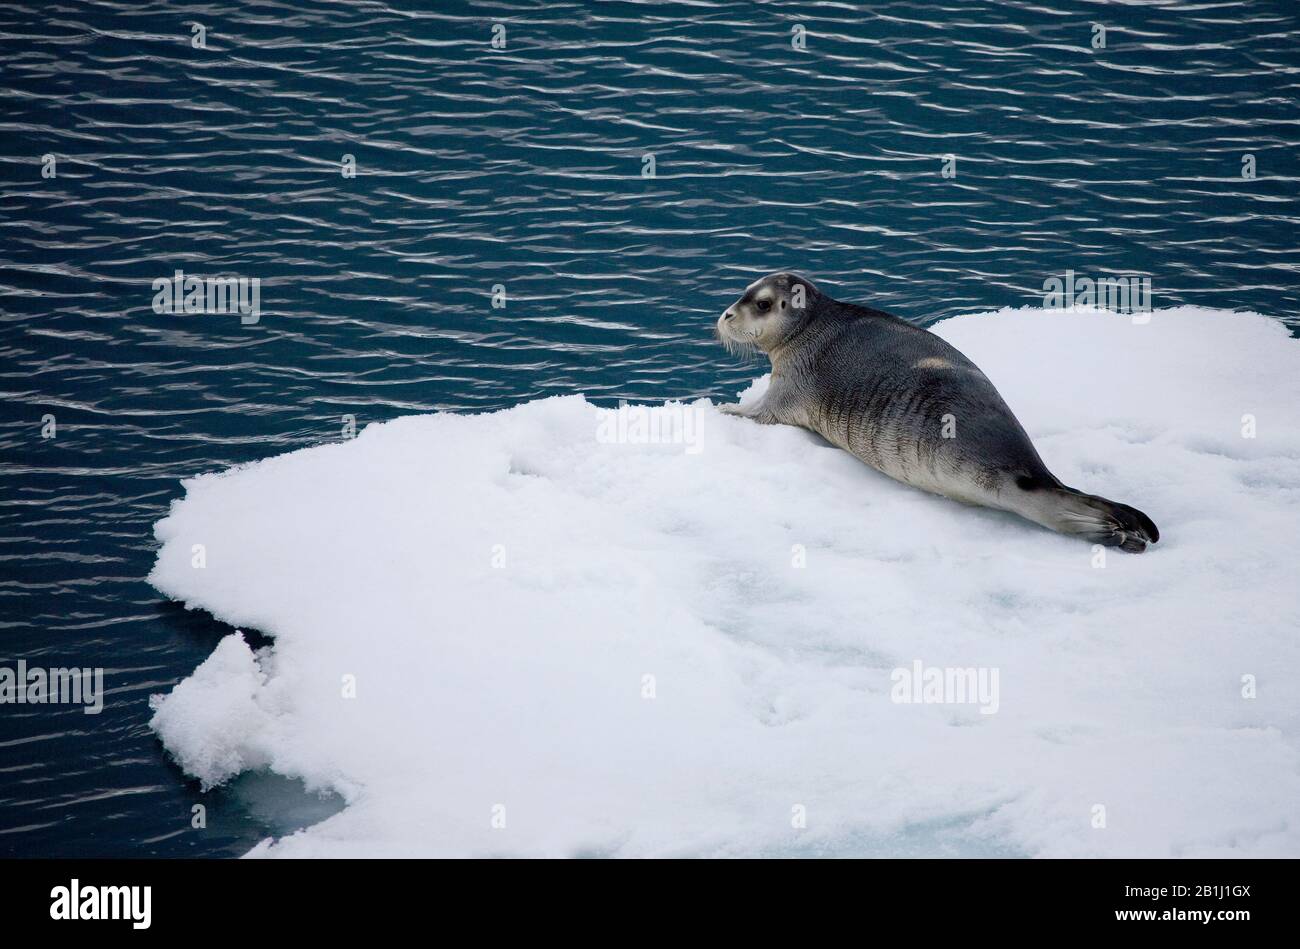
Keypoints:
(728, 315)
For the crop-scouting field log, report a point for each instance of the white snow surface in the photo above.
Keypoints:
(499, 587)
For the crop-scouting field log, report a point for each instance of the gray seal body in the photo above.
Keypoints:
(909, 405)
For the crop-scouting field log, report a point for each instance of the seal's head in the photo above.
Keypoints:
(766, 313)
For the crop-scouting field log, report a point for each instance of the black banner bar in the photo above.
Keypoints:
(1167, 898)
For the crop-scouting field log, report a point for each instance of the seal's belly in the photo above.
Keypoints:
(929, 467)
(917, 443)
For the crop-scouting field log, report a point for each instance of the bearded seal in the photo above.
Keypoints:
(909, 405)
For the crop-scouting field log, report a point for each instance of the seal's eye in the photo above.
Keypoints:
(763, 305)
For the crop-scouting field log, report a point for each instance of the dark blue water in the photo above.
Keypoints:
(522, 167)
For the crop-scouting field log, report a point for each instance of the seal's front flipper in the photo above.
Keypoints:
(756, 413)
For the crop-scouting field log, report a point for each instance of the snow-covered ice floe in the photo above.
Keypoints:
(531, 632)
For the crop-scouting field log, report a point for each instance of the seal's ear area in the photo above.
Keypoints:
(800, 291)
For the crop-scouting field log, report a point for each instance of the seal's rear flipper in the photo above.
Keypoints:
(1097, 519)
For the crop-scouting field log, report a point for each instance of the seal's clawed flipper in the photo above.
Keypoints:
(1099, 520)
(757, 413)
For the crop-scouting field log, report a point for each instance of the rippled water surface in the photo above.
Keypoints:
(522, 167)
